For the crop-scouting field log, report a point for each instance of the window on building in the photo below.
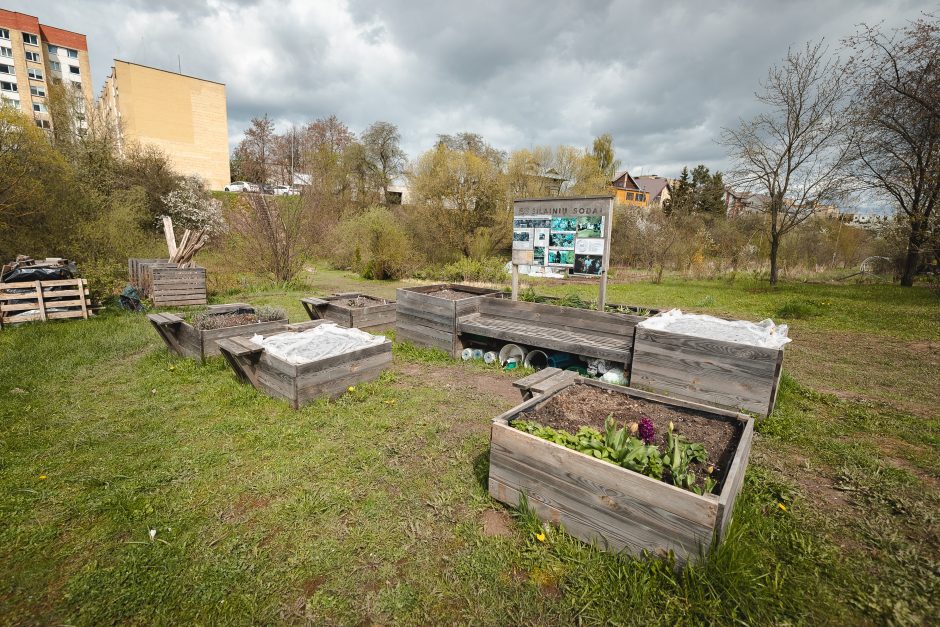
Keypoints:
(34, 57)
(5, 86)
(37, 91)
(30, 39)
(34, 73)
(56, 66)
(73, 69)
(4, 34)
(43, 124)
(39, 107)
(52, 49)
(73, 54)
(6, 52)
(6, 69)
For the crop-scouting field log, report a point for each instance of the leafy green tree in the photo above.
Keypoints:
(382, 144)
(603, 152)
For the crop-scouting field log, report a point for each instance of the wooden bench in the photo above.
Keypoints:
(543, 381)
(581, 332)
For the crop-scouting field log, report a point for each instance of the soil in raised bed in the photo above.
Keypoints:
(363, 301)
(452, 294)
(584, 405)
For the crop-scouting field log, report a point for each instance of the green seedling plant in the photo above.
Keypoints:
(680, 454)
(620, 446)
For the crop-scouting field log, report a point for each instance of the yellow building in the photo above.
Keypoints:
(626, 191)
(183, 116)
(33, 57)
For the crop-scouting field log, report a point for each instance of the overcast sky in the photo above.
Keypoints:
(662, 77)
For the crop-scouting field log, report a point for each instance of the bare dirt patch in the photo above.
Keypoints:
(459, 378)
(496, 523)
(583, 405)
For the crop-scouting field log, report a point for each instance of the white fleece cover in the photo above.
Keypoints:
(764, 333)
(320, 342)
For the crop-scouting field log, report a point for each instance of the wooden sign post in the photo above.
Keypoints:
(571, 233)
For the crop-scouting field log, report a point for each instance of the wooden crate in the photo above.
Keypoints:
(583, 332)
(168, 285)
(334, 309)
(136, 272)
(302, 384)
(712, 372)
(597, 501)
(187, 341)
(74, 291)
(431, 321)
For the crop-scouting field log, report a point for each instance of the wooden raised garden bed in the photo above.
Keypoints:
(185, 340)
(702, 370)
(352, 310)
(427, 315)
(599, 501)
(300, 384)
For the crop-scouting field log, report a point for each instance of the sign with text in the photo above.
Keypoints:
(563, 233)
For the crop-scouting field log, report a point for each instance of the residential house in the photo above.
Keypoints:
(657, 188)
(627, 191)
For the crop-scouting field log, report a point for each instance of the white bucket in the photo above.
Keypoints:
(511, 351)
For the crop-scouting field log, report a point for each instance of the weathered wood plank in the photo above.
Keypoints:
(599, 501)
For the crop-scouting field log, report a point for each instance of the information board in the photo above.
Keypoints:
(563, 233)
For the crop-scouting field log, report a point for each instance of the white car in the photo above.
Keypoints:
(240, 186)
(284, 190)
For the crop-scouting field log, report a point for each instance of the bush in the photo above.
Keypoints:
(374, 245)
(489, 270)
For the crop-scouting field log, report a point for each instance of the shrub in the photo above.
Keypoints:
(489, 270)
(374, 245)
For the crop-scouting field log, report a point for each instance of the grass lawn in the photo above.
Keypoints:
(374, 507)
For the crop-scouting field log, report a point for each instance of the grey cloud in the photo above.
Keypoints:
(662, 78)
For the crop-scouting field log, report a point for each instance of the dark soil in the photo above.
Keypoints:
(363, 301)
(223, 321)
(584, 405)
(452, 294)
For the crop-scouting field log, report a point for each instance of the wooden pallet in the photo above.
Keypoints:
(171, 286)
(78, 300)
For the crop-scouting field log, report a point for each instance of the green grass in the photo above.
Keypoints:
(370, 508)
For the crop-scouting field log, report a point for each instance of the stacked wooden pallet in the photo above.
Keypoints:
(168, 283)
(30, 301)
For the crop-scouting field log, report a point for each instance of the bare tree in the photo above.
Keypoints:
(794, 152)
(273, 233)
(895, 112)
(254, 152)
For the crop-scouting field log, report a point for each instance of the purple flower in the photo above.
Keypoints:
(646, 430)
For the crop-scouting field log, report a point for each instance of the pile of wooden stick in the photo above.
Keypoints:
(189, 245)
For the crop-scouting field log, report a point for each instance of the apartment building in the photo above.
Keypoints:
(34, 57)
(183, 116)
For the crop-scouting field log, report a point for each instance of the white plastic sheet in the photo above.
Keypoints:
(320, 342)
(764, 333)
